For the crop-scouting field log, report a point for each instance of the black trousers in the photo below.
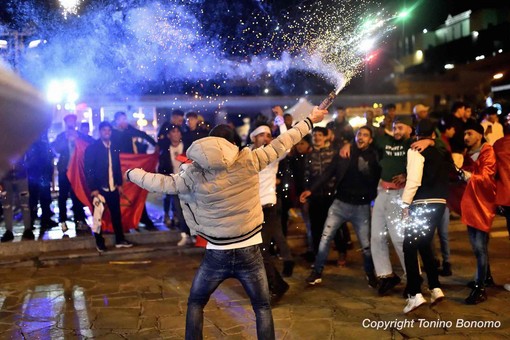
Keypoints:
(506, 212)
(64, 190)
(112, 199)
(40, 192)
(419, 234)
(270, 229)
(318, 213)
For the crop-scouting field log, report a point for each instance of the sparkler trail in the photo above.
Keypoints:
(111, 50)
(416, 224)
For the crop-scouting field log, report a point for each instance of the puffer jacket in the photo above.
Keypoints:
(220, 188)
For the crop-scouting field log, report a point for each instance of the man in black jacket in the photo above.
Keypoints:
(424, 202)
(64, 146)
(104, 178)
(357, 179)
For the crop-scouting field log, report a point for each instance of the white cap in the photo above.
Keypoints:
(420, 108)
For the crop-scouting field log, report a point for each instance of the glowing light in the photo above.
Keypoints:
(366, 45)
(266, 91)
(475, 34)
(62, 91)
(480, 57)
(416, 224)
(500, 50)
(404, 14)
(357, 122)
(425, 31)
(3, 44)
(449, 66)
(35, 43)
(69, 7)
(498, 76)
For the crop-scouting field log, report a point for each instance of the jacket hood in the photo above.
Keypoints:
(213, 153)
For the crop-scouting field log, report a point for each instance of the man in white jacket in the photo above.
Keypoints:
(219, 190)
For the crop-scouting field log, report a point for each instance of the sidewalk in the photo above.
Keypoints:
(146, 298)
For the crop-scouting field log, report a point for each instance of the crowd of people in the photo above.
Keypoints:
(396, 181)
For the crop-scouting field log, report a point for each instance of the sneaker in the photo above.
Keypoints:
(185, 239)
(387, 283)
(167, 220)
(489, 282)
(28, 235)
(82, 226)
(373, 282)
(48, 224)
(101, 249)
(64, 227)
(151, 227)
(124, 244)
(507, 286)
(414, 302)
(436, 295)
(342, 260)
(277, 295)
(476, 296)
(446, 270)
(288, 268)
(314, 278)
(8, 236)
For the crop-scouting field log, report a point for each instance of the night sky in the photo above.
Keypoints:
(111, 55)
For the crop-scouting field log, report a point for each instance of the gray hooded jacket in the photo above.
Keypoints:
(220, 188)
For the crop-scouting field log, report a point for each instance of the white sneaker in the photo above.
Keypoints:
(184, 240)
(64, 227)
(507, 286)
(414, 302)
(436, 295)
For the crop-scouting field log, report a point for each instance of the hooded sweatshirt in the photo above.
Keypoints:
(220, 188)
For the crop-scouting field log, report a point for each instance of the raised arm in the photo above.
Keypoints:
(173, 184)
(278, 147)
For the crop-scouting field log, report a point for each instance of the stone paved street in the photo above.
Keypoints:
(146, 299)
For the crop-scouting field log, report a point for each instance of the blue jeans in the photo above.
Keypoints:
(479, 242)
(244, 264)
(340, 212)
(442, 231)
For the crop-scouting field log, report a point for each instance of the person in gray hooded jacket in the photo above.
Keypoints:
(218, 191)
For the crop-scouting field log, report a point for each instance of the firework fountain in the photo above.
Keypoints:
(125, 49)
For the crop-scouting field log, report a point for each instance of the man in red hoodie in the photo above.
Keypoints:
(477, 204)
(502, 151)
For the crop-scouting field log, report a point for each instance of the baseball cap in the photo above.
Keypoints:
(419, 108)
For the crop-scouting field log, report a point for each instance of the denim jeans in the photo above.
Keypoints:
(442, 232)
(340, 212)
(244, 264)
(386, 216)
(479, 242)
(419, 234)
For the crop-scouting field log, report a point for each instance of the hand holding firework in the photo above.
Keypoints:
(317, 114)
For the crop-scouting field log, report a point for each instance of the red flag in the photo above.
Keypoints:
(132, 200)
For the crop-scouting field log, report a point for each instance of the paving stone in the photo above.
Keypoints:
(172, 322)
(311, 329)
(161, 308)
(117, 318)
